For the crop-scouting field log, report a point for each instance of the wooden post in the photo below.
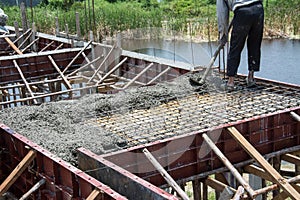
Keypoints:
(24, 17)
(67, 30)
(165, 174)
(56, 26)
(265, 165)
(17, 31)
(226, 162)
(197, 189)
(14, 175)
(93, 48)
(33, 39)
(78, 32)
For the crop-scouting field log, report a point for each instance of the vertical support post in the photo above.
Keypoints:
(117, 56)
(34, 47)
(56, 26)
(24, 17)
(205, 190)
(78, 32)
(17, 31)
(197, 189)
(93, 48)
(276, 165)
(67, 30)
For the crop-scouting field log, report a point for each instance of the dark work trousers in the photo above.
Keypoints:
(248, 23)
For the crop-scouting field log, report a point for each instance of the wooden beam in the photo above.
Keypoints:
(46, 47)
(265, 165)
(92, 66)
(33, 189)
(13, 46)
(159, 75)
(24, 80)
(218, 185)
(78, 54)
(226, 162)
(137, 76)
(165, 174)
(94, 194)
(30, 44)
(111, 71)
(61, 74)
(104, 60)
(14, 175)
(252, 169)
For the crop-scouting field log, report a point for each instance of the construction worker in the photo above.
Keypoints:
(3, 20)
(247, 24)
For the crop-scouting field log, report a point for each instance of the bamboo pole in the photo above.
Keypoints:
(226, 162)
(29, 45)
(238, 194)
(46, 47)
(165, 174)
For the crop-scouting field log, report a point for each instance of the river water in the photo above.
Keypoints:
(280, 59)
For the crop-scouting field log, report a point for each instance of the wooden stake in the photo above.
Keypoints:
(226, 162)
(14, 175)
(265, 165)
(165, 174)
(78, 32)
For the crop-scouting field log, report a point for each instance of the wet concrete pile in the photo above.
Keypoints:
(60, 126)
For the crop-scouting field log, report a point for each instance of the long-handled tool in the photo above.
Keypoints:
(211, 62)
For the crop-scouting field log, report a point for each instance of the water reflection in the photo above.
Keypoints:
(280, 58)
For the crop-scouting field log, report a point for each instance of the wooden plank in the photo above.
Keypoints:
(292, 192)
(226, 162)
(94, 194)
(165, 174)
(13, 46)
(14, 175)
(24, 80)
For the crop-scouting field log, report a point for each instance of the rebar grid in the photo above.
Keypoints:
(198, 111)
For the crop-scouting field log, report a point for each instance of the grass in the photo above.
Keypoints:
(197, 20)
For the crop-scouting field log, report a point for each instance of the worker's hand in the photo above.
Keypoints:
(223, 40)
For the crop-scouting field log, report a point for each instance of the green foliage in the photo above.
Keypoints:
(196, 17)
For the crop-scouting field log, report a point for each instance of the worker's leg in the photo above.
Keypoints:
(254, 40)
(240, 28)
